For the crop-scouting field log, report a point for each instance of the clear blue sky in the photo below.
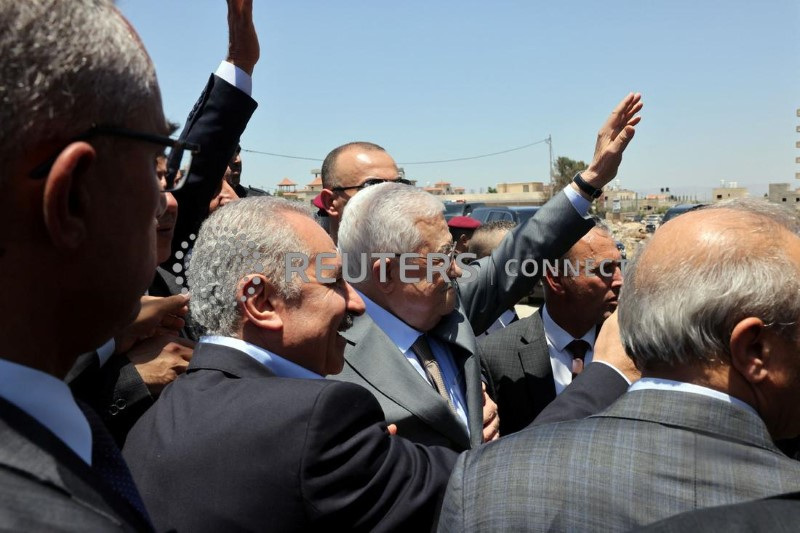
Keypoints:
(443, 79)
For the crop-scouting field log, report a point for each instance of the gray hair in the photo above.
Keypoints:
(245, 237)
(684, 312)
(382, 218)
(65, 66)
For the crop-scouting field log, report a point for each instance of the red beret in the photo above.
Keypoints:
(463, 223)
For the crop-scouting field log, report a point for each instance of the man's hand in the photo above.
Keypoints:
(159, 360)
(157, 316)
(491, 421)
(608, 349)
(243, 48)
(612, 139)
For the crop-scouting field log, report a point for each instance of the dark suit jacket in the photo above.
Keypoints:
(518, 362)
(44, 486)
(229, 446)
(780, 514)
(215, 123)
(373, 361)
(596, 388)
(651, 455)
(115, 391)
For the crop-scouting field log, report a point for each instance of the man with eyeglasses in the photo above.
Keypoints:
(82, 125)
(350, 168)
(415, 346)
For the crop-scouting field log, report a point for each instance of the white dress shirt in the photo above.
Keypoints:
(50, 402)
(283, 368)
(560, 358)
(679, 386)
(403, 336)
(580, 203)
(236, 77)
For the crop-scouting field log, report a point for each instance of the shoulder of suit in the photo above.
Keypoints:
(512, 332)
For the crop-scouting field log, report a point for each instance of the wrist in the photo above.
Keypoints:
(592, 177)
(586, 189)
(246, 66)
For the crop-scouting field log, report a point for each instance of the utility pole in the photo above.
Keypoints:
(550, 145)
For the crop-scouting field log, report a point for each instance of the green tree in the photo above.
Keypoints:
(491, 190)
(564, 169)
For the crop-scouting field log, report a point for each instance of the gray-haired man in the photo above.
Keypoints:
(415, 346)
(251, 436)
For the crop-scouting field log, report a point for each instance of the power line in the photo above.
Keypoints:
(281, 155)
(475, 156)
(408, 163)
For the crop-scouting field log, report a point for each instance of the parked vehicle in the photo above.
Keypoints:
(524, 212)
(680, 209)
(457, 209)
(489, 214)
(518, 214)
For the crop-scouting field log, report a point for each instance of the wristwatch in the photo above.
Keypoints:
(585, 187)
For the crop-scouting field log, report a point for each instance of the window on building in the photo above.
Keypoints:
(526, 188)
(784, 199)
(719, 197)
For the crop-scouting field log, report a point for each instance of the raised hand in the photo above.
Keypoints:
(243, 48)
(612, 139)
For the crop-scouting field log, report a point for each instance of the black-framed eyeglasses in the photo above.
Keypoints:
(373, 181)
(178, 153)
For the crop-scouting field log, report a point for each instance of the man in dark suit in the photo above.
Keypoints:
(74, 113)
(415, 346)
(251, 436)
(718, 355)
(534, 359)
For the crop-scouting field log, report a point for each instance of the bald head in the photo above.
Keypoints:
(348, 167)
(701, 274)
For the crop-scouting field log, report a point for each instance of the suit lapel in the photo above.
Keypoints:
(455, 331)
(534, 357)
(392, 374)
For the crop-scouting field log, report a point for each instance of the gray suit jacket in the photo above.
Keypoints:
(374, 362)
(44, 486)
(518, 362)
(775, 515)
(651, 455)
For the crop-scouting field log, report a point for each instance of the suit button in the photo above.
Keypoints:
(121, 404)
(113, 410)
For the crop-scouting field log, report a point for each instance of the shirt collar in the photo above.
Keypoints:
(50, 402)
(560, 338)
(279, 366)
(680, 386)
(398, 331)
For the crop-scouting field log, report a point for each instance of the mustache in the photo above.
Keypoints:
(347, 322)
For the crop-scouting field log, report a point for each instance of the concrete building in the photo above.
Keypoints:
(782, 193)
(727, 191)
(521, 187)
